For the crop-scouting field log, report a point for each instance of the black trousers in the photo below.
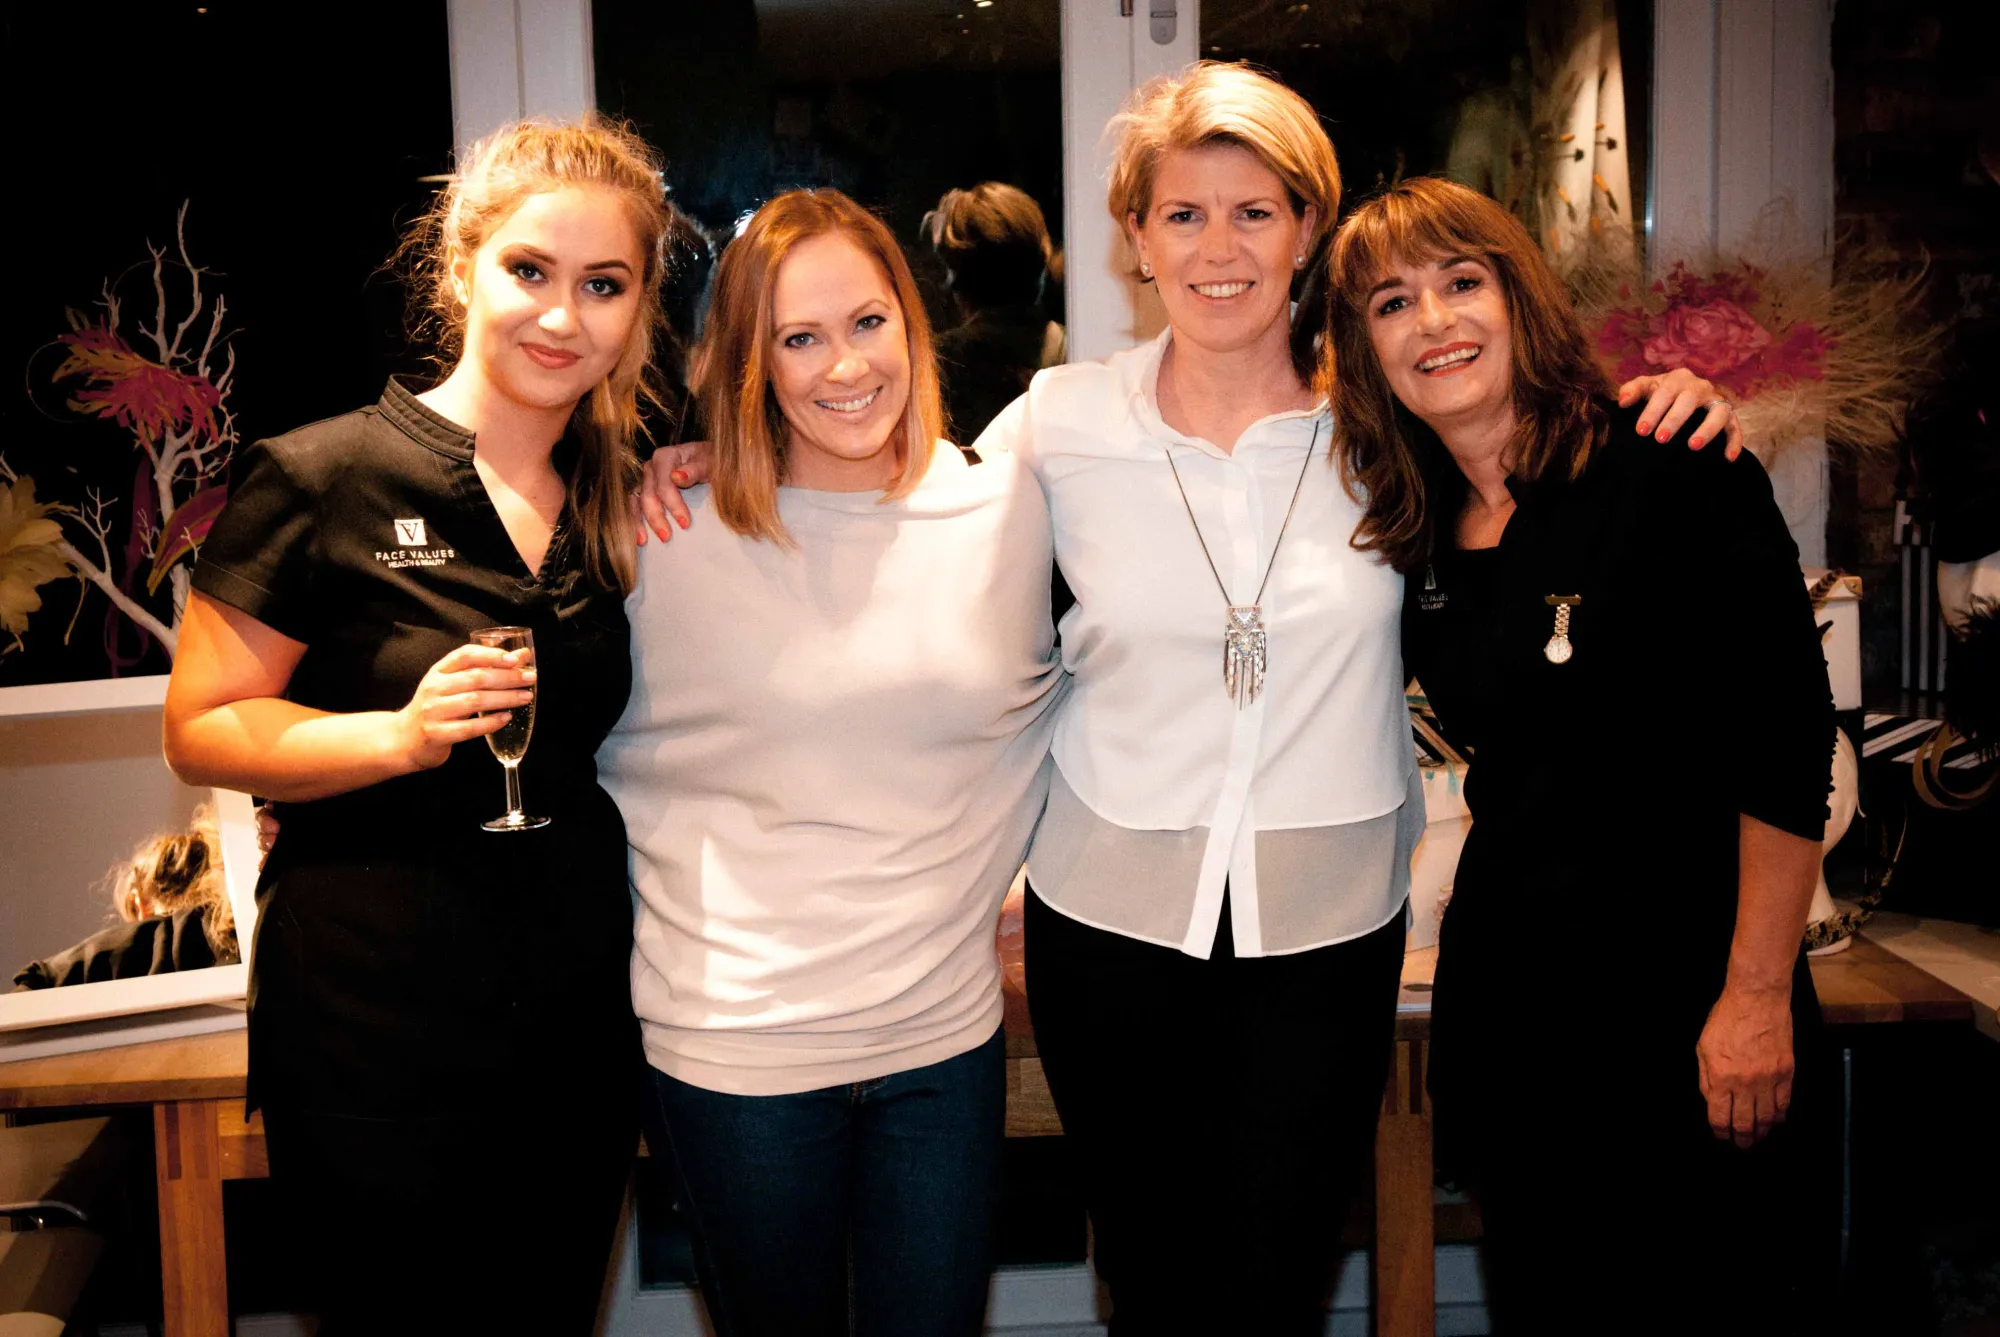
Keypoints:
(1607, 1201)
(498, 1222)
(1223, 1111)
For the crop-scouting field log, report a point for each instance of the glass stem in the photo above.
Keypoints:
(513, 769)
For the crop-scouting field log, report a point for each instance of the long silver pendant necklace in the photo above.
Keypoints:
(1245, 644)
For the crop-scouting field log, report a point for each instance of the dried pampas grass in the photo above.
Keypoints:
(1800, 352)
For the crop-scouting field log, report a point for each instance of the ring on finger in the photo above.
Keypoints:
(1723, 402)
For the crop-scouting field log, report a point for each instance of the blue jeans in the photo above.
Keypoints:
(865, 1209)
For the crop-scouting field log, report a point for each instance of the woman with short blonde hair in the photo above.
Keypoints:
(1217, 889)
(1212, 102)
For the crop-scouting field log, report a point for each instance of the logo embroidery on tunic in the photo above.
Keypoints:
(413, 539)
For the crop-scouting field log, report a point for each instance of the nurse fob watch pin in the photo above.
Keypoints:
(1558, 650)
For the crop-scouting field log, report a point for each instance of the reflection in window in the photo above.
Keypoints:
(894, 102)
(1540, 103)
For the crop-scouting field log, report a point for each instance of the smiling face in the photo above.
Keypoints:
(1222, 241)
(1441, 332)
(551, 297)
(840, 366)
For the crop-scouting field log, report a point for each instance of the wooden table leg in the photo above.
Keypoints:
(1405, 1269)
(193, 1270)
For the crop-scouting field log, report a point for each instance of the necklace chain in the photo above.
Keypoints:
(1297, 488)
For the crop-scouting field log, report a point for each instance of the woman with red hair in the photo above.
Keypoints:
(834, 756)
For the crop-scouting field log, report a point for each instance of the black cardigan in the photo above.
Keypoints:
(1605, 790)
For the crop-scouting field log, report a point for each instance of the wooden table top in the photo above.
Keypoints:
(194, 1067)
(1866, 984)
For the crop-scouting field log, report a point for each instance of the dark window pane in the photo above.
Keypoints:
(893, 102)
(297, 148)
(1476, 92)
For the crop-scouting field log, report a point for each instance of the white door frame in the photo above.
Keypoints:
(516, 58)
(1106, 53)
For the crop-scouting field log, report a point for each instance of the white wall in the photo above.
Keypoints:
(516, 58)
(1742, 116)
(1105, 56)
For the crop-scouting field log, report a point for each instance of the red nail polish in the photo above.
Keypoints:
(1644, 428)
(680, 476)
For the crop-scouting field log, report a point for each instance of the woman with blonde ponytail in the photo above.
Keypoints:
(441, 1035)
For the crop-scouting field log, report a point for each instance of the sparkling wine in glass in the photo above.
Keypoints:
(510, 742)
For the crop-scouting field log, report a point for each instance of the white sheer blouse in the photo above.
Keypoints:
(1305, 805)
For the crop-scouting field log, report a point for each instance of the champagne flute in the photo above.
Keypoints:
(510, 742)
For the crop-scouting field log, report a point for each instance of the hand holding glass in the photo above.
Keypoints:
(510, 741)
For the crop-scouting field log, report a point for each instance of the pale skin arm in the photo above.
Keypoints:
(1745, 1051)
(227, 722)
(1676, 397)
(1671, 400)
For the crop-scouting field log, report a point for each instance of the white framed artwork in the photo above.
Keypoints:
(87, 751)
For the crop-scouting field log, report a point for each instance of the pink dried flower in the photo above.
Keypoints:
(135, 392)
(1710, 340)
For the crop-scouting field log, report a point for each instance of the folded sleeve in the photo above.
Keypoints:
(261, 555)
(1770, 690)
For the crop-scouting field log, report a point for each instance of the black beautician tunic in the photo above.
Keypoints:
(1589, 928)
(408, 963)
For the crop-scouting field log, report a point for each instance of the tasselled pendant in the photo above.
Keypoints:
(1559, 649)
(1243, 648)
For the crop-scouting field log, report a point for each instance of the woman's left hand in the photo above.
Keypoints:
(1674, 398)
(1745, 1055)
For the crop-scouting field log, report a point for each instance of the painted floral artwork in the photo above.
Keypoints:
(1801, 353)
(1710, 324)
(147, 369)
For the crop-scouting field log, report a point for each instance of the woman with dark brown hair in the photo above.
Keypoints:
(1608, 628)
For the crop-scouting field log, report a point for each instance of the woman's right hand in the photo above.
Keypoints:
(465, 695)
(671, 469)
